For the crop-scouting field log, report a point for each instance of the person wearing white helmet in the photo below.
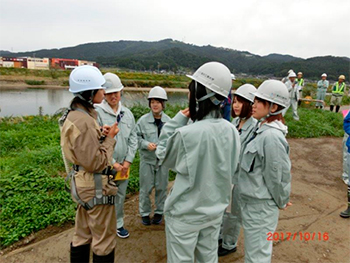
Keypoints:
(285, 79)
(84, 145)
(152, 173)
(301, 84)
(245, 124)
(111, 111)
(293, 90)
(204, 155)
(322, 86)
(337, 93)
(264, 177)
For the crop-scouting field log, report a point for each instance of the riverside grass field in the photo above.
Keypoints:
(32, 172)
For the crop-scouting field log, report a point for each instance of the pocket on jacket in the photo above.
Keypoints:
(248, 160)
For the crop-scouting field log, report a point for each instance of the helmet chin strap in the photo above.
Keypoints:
(210, 95)
(270, 113)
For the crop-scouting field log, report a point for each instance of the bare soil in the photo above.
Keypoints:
(318, 195)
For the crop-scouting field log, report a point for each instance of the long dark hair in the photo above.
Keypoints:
(87, 96)
(204, 107)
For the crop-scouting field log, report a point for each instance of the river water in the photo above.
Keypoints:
(28, 102)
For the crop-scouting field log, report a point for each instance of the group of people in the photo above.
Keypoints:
(295, 84)
(228, 174)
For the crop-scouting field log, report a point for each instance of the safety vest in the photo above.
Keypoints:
(337, 90)
(300, 82)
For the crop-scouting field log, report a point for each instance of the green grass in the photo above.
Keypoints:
(314, 123)
(35, 82)
(32, 192)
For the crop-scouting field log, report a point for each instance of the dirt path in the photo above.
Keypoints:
(318, 195)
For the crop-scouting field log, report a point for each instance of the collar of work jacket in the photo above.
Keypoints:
(107, 108)
(150, 117)
(246, 125)
(276, 125)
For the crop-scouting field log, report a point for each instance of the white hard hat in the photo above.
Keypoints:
(157, 93)
(289, 71)
(233, 77)
(246, 91)
(300, 73)
(113, 83)
(85, 78)
(274, 91)
(324, 75)
(292, 75)
(214, 76)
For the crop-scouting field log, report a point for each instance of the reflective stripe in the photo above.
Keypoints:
(300, 82)
(337, 89)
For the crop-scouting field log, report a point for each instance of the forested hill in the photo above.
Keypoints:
(172, 55)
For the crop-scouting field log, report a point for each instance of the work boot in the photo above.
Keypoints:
(331, 107)
(337, 108)
(157, 219)
(80, 254)
(223, 251)
(104, 259)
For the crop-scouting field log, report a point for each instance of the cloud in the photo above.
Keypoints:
(300, 28)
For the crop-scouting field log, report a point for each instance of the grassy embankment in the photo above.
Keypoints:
(129, 79)
(32, 185)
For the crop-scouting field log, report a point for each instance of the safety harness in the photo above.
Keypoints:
(99, 198)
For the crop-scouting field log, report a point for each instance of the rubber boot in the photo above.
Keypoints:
(346, 213)
(104, 259)
(331, 107)
(80, 254)
(337, 108)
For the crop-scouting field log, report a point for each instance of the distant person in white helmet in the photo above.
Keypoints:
(337, 93)
(204, 155)
(301, 84)
(245, 124)
(285, 79)
(85, 146)
(264, 179)
(322, 86)
(111, 111)
(152, 174)
(293, 90)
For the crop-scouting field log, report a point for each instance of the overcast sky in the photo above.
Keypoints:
(299, 28)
